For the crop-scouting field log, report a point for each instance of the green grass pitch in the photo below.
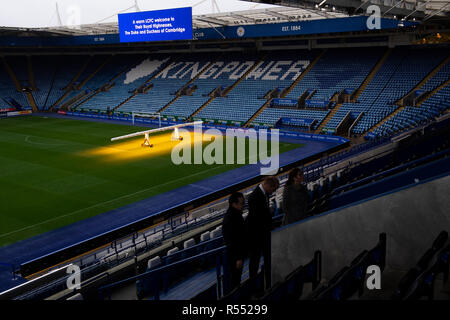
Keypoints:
(51, 175)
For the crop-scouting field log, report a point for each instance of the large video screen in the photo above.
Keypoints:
(160, 25)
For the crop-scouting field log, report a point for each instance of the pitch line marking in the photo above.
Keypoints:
(27, 139)
(102, 203)
(105, 202)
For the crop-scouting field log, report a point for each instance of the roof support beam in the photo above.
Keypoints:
(235, 15)
(212, 20)
(277, 14)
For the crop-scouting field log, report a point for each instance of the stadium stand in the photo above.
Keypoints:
(114, 91)
(292, 286)
(287, 79)
(411, 116)
(248, 95)
(46, 69)
(399, 73)
(166, 85)
(213, 89)
(337, 70)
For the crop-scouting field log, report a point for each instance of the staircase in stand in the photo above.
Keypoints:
(425, 79)
(303, 74)
(286, 92)
(69, 86)
(328, 118)
(433, 92)
(31, 101)
(370, 76)
(396, 111)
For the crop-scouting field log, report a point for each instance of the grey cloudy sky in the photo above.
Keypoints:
(42, 13)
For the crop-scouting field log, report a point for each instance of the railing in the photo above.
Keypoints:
(392, 171)
(100, 265)
(349, 133)
(315, 170)
(160, 281)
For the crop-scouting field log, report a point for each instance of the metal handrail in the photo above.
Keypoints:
(158, 270)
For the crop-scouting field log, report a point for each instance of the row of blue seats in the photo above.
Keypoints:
(349, 281)
(145, 287)
(414, 116)
(7, 89)
(420, 280)
(337, 70)
(402, 70)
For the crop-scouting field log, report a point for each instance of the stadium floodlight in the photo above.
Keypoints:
(146, 134)
(144, 114)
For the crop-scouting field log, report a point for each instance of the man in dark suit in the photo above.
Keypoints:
(259, 226)
(233, 230)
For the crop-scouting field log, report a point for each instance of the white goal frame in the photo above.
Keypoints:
(146, 114)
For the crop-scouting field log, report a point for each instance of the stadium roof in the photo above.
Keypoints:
(420, 9)
(259, 16)
(299, 10)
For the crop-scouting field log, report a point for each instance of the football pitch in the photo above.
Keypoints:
(54, 172)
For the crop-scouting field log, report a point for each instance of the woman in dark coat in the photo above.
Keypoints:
(295, 198)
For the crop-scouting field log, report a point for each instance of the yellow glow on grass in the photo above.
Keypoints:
(132, 148)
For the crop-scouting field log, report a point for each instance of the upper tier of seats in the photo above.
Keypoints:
(88, 66)
(401, 72)
(242, 81)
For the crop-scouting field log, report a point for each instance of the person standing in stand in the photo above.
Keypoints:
(295, 198)
(233, 230)
(259, 227)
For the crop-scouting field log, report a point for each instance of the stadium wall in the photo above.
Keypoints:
(411, 218)
(320, 26)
